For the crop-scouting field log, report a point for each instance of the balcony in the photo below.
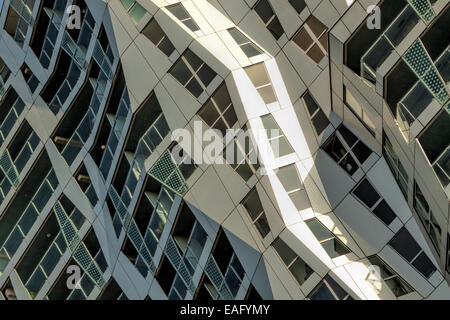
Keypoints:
(29, 201)
(223, 270)
(435, 142)
(19, 18)
(381, 57)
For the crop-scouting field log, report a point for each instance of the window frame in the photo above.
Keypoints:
(429, 222)
(363, 112)
(295, 259)
(273, 18)
(216, 107)
(316, 113)
(395, 164)
(348, 149)
(377, 203)
(315, 39)
(248, 42)
(179, 4)
(194, 73)
(417, 254)
(331, 237)
(258, 216)
(160, 41)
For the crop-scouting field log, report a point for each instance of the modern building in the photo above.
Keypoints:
(110, 187)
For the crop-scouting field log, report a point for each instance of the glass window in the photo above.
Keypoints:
(270, 20)
(134, 9)
(260, 79)
(242, 156)
(298, 5)
(396, 284)
(328, 289)
(351, 102)
(192, 73)
(156, 35)
(179, 11)
(249, 48)
(332, 245)
(345, 148)
(312, 38)
(426, 216)
(255, 210)
(290, 180)
(435, 142)
(408, 248)
(182, 160)
(299, 269)
(395, 165)
(366, 193)
(218, 112)
(278, 142)
(318, 118)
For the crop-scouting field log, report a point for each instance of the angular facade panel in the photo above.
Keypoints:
(245, 149)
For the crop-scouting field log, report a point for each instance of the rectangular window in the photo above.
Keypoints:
(448, 253)
(134, 9)
(396, 166)
(331, 244)
(351, 102)
(180, 12)
(249, 48)
(298, 5)
(280, 145)
(347, 150)
(426, 216)
(298, 268)
(312, 38)
(370, 197)
(244, 155)
(4, 71)
(255, 210)
(156, 35)
(435, 142)
(290, 180)
(396, 284)
(318, 118)
(18, 19)
(260, 79)
(409, 249)
(182, 160)
(218, 112)
(192, 73)
(328, 289)
(268, 17)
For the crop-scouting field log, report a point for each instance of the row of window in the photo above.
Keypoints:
(328, 289)
(420, 204)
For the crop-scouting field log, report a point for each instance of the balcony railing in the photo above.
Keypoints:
(30, 214)
(48, 261)
(385, 45)
(147, 144)
(86, 126)
(116, 132)
(55, 15)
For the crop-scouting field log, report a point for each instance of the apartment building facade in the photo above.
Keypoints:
(109, 189)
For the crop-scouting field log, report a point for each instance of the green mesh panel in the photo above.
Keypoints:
(166, 172)
(8, 168)
(419, 61)
(87, 263)
(424, 9)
